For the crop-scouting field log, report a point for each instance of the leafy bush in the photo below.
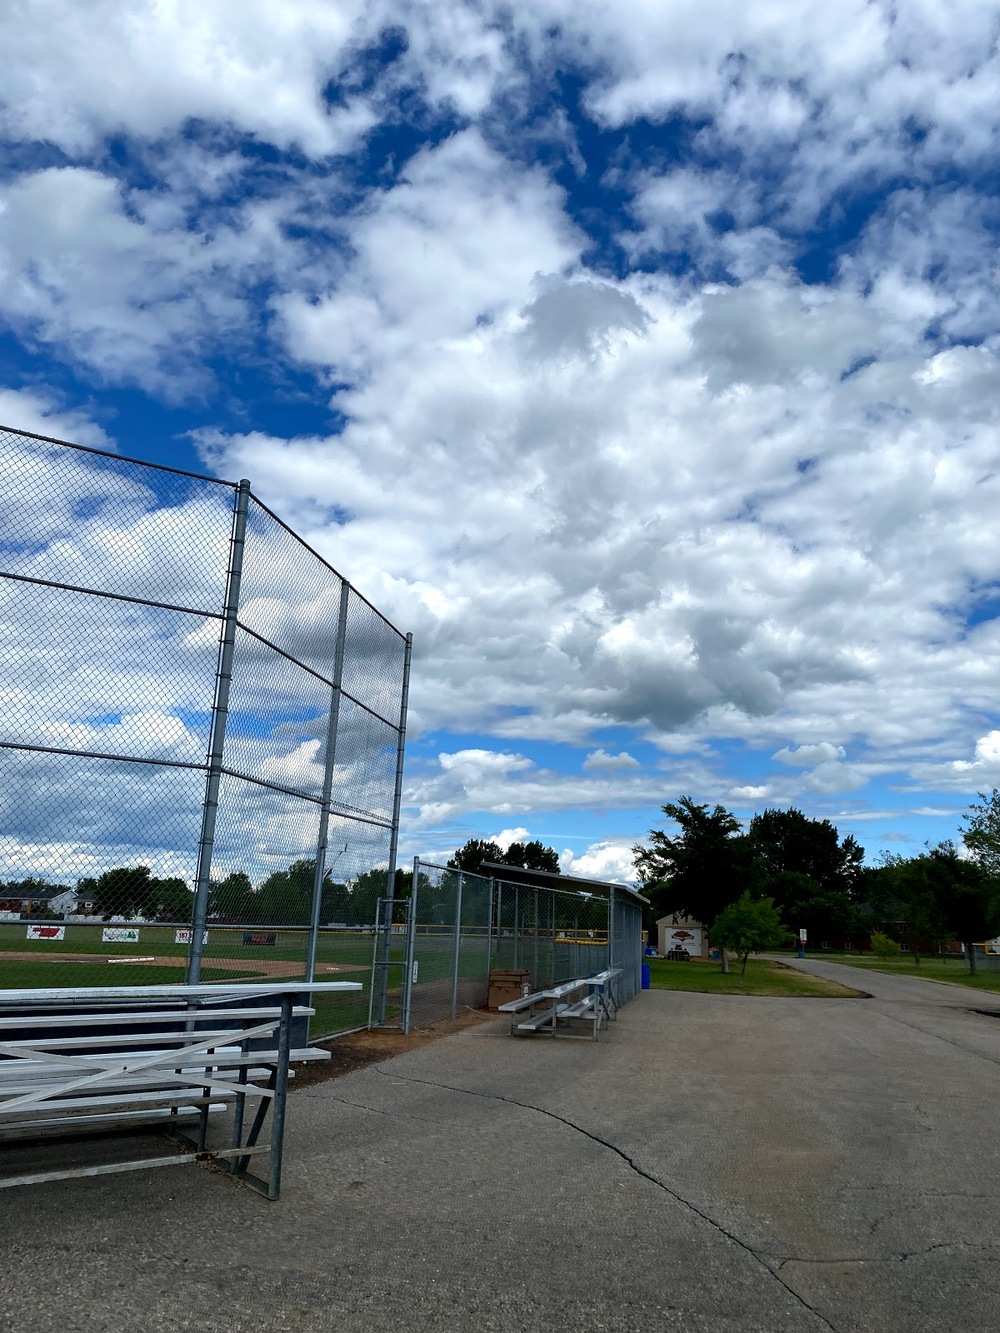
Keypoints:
(883, 947)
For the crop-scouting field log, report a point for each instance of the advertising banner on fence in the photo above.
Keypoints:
(46, 933)
(260, 937)
(119, 935)
(184, 937)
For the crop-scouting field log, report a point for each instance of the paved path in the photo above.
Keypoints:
(714, 1163)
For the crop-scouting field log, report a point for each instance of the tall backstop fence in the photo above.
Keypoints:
(201, 732)
(458, 927)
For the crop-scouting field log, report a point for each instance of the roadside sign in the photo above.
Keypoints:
(802, 935)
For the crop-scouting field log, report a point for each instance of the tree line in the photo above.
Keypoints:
(787, 871)
(284, 897)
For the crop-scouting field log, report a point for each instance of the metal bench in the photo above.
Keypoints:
(563, 1003)
(128, 1057)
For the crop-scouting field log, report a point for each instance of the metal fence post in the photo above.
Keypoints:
(516, 924)
(611, 927)
(534, 974)
(323, 838)
(220, 716)
(411, 930)
(489, 931)
(397, 801)
(458, 946)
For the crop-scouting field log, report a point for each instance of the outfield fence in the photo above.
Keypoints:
(201, 731)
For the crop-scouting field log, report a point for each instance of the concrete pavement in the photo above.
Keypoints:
(713, 1163)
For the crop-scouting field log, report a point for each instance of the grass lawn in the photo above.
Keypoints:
(932, 968)
(763, 978)
(18, 976)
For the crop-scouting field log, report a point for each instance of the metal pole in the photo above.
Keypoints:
(371, 991)
(322, 841)
(611, 927)
(534, 973)
(516, 924)
(552, 930)
(458, 946)
(411, 930)
(280, 1097)
(220, 716)
(489, 934)
(397, 801)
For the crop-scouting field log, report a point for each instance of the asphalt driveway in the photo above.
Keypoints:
(713, 1163)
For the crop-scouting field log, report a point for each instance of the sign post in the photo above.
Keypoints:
(802, 943)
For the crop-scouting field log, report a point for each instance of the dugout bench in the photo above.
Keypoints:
(589, 1000)
(101, 1059)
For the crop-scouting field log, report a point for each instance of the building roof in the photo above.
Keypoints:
(548, 879)
(34, 895)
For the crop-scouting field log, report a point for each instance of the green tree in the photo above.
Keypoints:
(368, 888)
(804, 902)
(967, 897)
(127, 891)
(232, 898)
(172, 900)
(982, 833)
(789, 842)
(135, 892)
(905, 898)
(526, 855)
(474, 854)
(532, 856)
(749, 925)
(285, 898)
(698, 871)
(883, 947)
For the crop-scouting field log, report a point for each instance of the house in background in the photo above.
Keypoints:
(42, 901)
(681, 932)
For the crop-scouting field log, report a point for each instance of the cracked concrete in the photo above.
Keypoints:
(630, 1162)
(713, 1163)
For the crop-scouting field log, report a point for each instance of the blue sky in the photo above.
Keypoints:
(641, 361)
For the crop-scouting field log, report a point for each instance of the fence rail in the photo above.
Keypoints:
(201, 722)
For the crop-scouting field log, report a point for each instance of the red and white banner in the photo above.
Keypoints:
(120, 935)
(46, 933)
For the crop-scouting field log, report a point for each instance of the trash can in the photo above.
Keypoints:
(645, 976)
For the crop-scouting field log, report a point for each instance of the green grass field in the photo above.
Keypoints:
(223, 942)
(33, 975)
(763, 978)
(932, 968)
(334, 1013)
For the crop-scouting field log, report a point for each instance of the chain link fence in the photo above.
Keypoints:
(554, 935)
(457, 928)
(446, 965)
(201, 733)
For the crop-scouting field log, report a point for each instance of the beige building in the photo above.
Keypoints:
(676, 932)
